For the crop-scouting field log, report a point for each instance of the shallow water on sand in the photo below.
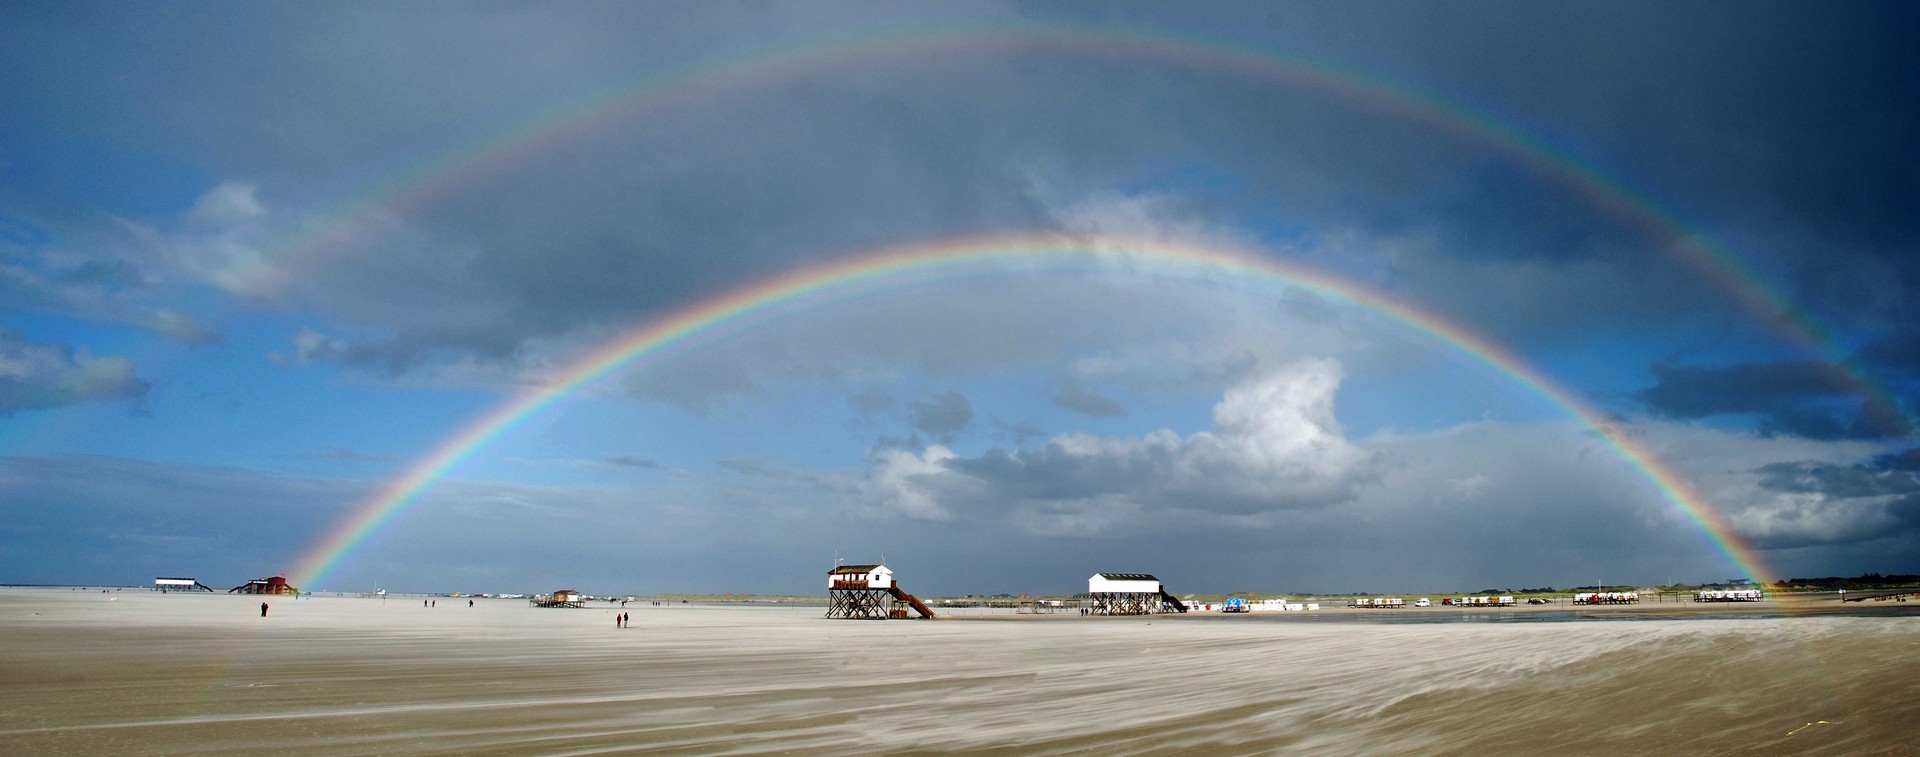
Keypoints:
(138, 673)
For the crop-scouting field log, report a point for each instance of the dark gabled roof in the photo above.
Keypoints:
(852, 569)
(1127, 576)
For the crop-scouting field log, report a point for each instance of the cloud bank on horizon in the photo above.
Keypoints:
(256, 261)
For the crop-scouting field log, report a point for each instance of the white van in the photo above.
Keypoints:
(1422, 602)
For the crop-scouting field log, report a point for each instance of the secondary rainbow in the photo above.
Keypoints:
(469, 159)
(902, 266)
(484, 151)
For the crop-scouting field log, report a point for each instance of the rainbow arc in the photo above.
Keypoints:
(773, 298)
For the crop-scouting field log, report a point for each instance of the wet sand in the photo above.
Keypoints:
(140, 673)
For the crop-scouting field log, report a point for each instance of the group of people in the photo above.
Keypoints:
(620, 621)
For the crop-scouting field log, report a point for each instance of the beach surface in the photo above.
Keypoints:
(133, 672)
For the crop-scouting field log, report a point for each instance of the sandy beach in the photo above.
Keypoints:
(132, 672)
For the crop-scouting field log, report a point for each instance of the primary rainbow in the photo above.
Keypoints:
(944, 259)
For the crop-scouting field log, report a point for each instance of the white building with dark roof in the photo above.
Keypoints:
(1130, 594)
(860, 577)
(869, 592)
(1126, 583)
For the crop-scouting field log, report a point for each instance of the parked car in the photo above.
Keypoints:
(1422, 602)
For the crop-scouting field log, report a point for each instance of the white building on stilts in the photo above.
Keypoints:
(1130, 594)
(868, 592)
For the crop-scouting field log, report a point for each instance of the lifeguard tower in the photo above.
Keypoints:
(868, 592)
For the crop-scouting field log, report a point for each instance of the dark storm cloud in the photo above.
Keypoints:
(943, 415)
(642, 214)
(39, 376)
(613, 231)
(1901, 461)
(1895, 353)
(1800, 397)
(1834, 503)
(1881, 477)
(1780, 133)
(1802, 90)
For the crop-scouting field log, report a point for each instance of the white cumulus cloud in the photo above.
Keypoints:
(1275, 446)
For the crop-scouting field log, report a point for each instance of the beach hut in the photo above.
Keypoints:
(1729, 595)
(164, 584)
(868, 592)
(860, 577)
(1130, 594)
(268, 585)
(560, 598)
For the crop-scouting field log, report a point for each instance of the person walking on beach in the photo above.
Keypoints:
(263, 609)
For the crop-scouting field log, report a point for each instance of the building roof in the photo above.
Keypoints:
(1127, 576)
(852, 569)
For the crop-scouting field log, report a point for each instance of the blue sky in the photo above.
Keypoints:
(167, 409)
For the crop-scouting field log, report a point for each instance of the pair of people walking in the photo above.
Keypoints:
(620, 621)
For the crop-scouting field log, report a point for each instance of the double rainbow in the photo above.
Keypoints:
(770, 298)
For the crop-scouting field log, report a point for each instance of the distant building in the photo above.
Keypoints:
(560, 598)
(165, 584)
(867, 592)
(1123, 583)
(1130, 594)
(268, 585)
(860, 577)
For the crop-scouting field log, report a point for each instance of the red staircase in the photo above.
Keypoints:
(917, 605)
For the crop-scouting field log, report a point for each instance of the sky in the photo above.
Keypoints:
(1298, 297)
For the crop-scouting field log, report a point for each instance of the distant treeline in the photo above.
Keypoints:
(1862, 581)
